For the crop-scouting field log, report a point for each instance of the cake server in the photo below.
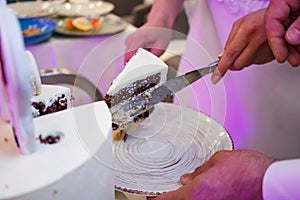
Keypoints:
(144, 101)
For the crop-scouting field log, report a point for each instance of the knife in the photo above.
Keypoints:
(144, 101)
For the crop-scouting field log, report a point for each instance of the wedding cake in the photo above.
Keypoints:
(73, 159)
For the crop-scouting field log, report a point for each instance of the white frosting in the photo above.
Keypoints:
(77, 167)
(50, 93)
(140, 66)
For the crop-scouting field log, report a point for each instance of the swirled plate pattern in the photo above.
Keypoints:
(173, 141)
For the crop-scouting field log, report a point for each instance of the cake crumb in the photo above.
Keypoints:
(55, 191)
(50, 139)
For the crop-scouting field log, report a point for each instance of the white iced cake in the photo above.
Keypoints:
(73, 161)
(52, 98)
(142, 71)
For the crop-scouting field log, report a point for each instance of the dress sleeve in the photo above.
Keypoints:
(282, 180)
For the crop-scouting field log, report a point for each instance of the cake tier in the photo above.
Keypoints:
(74, 158)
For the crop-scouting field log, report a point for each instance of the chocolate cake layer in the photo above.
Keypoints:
(132, 90)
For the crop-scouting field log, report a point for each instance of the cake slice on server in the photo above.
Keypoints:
(143, 70)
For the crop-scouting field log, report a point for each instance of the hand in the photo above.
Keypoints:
(150, 37)
(247, 44)
(283, 30)
(226, 175)
(156, 33)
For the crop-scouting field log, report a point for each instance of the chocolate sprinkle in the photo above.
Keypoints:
(50, 139)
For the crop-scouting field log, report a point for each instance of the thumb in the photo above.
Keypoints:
(186, 178)
(293, 33)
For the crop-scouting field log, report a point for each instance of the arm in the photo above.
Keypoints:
(155, 34)
(281, 180)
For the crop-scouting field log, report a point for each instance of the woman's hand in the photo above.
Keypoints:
(156, 33)
(151, 37)
(247, 44)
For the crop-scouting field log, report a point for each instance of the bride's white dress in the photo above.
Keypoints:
(259, 106)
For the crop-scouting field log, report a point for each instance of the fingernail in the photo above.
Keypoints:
(185, 177)
(293, 35)
(215, 78)
(220, 55)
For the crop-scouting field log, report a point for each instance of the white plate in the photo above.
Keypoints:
(32, 9)
(111, 24)
(93, 8)
(173, 141)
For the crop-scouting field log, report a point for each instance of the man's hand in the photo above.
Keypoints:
(283, 30)
(226, 175)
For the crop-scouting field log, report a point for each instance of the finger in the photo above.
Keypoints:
(217, 74)
(276, 13)
(254, 53)
(294, 56)
(156, 51)
(128, 55)
(233, 32)
(186, 178)
(293, 33)
(263, 55)
(231, 53)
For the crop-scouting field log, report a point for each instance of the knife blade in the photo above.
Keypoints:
(144, 101)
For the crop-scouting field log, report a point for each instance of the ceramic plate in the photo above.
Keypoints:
(173, 141)
(46, 27)
(110, 25)
(89, 8)
(33, 9)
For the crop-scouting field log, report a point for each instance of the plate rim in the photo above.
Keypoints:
(61, 12)
(51, 5)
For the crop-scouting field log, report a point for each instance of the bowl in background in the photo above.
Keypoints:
(37, 30)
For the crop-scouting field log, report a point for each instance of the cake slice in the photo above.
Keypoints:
(142, 71)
